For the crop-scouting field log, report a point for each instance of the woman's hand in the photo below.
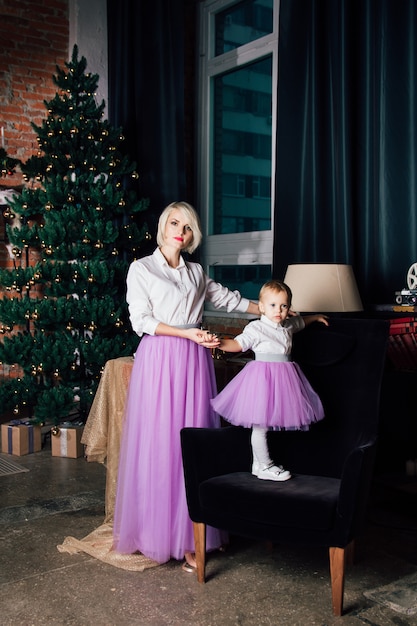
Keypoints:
(203, 337)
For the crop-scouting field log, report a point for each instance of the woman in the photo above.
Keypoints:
(170, 388)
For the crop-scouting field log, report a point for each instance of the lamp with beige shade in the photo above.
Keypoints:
(323, 287)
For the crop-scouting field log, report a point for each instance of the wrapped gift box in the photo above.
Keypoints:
(20, 437)
(66, 440)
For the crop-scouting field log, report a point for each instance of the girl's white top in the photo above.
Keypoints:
(158, 293)
(266, 337)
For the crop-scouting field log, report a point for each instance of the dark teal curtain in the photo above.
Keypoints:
(146, 93)
(346, 184)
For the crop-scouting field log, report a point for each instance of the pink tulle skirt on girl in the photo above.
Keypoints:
(270, 394)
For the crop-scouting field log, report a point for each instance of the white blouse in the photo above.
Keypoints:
(159, 293)
(266, 337)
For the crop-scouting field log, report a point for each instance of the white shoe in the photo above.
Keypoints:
(272, 472)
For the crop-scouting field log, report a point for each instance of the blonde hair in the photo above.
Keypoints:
(276, 285)
(192, 219)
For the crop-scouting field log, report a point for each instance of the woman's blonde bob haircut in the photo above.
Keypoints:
(192, 219)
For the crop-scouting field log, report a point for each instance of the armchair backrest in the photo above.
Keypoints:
(344, 364)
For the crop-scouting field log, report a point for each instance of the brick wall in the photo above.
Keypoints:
(33, 40)
(34, 37)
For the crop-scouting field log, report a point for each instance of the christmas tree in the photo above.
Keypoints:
(73, 231)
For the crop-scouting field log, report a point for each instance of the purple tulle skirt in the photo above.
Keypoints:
(171, 385)
(274, 395)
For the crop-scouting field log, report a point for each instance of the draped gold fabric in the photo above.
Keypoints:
(102, 437)
(103, 429)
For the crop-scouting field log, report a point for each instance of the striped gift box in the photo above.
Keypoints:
(20, 437)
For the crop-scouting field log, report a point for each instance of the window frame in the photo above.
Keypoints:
(243, 248)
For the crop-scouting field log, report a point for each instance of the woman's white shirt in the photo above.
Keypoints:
(159, 293)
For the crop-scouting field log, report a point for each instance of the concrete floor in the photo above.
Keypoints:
(249, 585)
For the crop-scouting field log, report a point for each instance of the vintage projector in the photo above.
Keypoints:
(408, 297)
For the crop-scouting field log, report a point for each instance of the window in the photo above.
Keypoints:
(238, 79)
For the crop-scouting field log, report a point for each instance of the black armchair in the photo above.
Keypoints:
(325, 501)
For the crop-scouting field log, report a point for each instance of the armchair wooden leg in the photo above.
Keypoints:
(200, 550)
(337, 576)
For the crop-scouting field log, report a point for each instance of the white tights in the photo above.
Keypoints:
(260, 446)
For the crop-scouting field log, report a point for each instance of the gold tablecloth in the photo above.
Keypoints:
(102, 437)
(103, 429)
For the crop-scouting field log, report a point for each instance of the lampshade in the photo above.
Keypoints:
(323, 288)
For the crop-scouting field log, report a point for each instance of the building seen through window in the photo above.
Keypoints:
(238, 76)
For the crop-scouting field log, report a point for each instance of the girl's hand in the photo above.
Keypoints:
(309, 319)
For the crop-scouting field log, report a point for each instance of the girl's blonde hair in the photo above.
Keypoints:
(192, 219)
(276, 285)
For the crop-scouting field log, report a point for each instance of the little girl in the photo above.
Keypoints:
(271, 391)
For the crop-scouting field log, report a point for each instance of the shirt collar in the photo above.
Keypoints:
(161, 260)
(270, 323)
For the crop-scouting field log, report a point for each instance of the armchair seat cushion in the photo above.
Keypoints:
(239, 500)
